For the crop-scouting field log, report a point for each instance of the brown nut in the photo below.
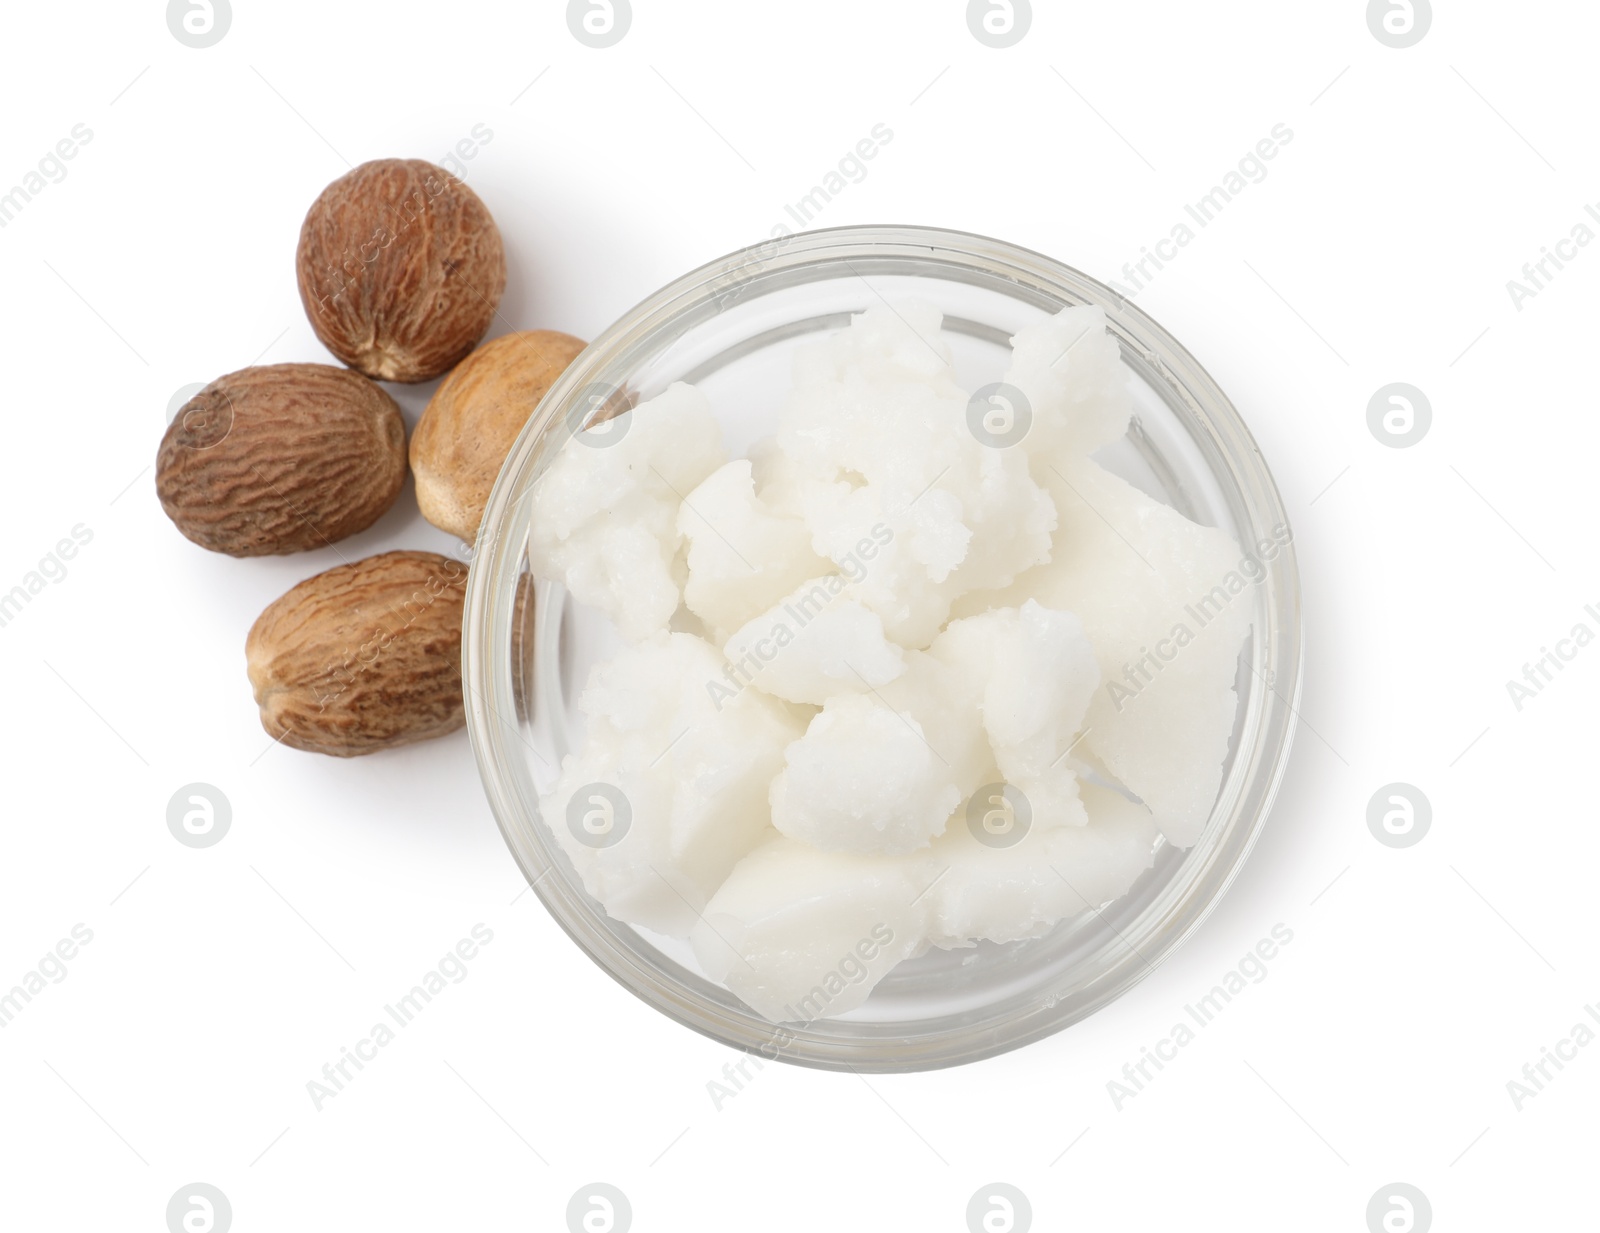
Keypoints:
(473, 419)
(363, 657)
(281, 459)
(400, 269)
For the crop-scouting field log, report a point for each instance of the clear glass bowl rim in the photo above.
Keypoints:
(1209, 867)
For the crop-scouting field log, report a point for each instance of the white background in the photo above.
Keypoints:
(219, 981)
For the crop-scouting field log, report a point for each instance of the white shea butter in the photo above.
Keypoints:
(605, 514)
(681, 783)
(801, 934)
(863, 778)
(742, 556)
(914, 636)
(1002, 894)
(815, 644)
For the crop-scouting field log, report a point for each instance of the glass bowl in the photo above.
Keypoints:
(730, 328)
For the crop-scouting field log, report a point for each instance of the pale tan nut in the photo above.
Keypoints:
(473, 419)
(400, 267)
(281, 458)
(363, 657)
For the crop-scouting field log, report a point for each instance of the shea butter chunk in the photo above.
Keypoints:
(1075, 385)
(743, 557)
(681, 783)
(815, 644)
(1036, 673)
(863, 779)
(605, 517)
(1166, 604)
(802, 935)
(876, 453)
(1005, 893)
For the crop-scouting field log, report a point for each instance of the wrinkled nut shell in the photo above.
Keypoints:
(363, 657)
(473, 419)
(400, 268)
(281, 459)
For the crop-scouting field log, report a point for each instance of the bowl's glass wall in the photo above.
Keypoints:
(731, 329)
